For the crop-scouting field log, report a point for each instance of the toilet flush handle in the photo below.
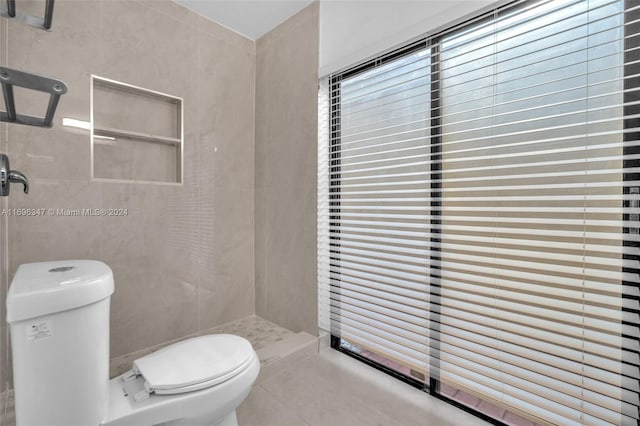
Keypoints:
(8, 176)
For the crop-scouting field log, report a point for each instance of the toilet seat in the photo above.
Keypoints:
(192, 365)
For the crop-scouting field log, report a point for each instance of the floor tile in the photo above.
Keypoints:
(262, 409)
(332, 389)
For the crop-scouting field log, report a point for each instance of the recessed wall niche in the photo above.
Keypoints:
(136, 133)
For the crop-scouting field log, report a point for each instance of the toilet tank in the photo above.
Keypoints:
(58, 315)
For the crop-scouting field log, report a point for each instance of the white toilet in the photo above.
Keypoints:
(58, 313)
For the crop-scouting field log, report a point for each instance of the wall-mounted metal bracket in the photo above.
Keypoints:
(10, 78)
(35, 21)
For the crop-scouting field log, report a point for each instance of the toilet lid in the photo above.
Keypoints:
(195, 363)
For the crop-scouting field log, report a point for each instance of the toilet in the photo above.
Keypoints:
(58, 314)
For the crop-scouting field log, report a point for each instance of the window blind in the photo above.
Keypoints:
(375, 269)
(530, 280)
(479, 205)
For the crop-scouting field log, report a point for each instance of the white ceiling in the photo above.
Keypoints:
(251, 18)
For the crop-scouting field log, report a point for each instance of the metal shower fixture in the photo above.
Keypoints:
(8, 176)
(35, 21)
(10, 77)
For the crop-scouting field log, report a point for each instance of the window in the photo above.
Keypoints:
(379, 190)
(478, 211)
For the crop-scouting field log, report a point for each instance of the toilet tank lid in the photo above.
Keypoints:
(205, 360)
(45, 288)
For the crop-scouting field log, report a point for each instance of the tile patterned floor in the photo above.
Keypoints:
(258, 331)
(332, 389)
(328, 388)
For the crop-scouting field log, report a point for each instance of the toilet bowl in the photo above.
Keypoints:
(58, 313)
(199, 381)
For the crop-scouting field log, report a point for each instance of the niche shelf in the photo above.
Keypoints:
(136, 134)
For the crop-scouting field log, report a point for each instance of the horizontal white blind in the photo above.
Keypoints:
(324, 301)
(376, 272)
(482, 209)
(530, 275)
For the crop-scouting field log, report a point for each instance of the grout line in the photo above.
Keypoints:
(198, 200)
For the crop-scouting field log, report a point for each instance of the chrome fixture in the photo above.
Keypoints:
(8, 176)
(10, 78)
(34, 21)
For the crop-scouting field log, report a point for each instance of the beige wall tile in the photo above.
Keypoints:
(53, 237)
(136, 160)
(173, 276)
(285, 172)
(169, 322)
(70, 53)
(162, 57)
(185, 258)
(143, 114)
(4, 341)
(226, 110)
(227, 284)
(290, 257)
(4, 285)
(260, 252)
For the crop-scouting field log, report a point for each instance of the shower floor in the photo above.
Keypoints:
(271, 342)
(263, 335)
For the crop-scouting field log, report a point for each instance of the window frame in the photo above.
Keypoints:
(631, 76)
(433, 386)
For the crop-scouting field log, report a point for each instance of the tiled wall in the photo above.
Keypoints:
(286, 151)
(183, 257)
(4, 344)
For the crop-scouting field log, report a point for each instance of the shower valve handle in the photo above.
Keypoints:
(8, 176)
